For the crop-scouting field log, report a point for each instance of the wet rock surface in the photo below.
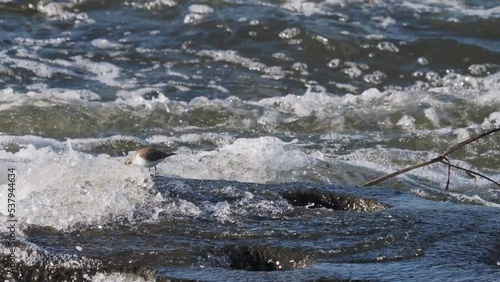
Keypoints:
(264, 258)
(314, 198)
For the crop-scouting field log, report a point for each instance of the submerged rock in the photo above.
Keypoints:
(314, 198)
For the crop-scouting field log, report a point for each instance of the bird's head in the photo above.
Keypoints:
(128, 161)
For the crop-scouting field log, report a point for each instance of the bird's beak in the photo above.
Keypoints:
(127, 161)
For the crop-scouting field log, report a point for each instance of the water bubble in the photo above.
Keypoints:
(334, 63)
(387, 46)
(302, 67)
(289, 33)
(200, 9)
(423, 61)
(432, 76)
(376, 77)
(478, 70)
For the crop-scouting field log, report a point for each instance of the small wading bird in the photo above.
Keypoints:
(147, 157)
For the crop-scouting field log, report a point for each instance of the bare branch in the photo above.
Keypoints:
(440, 159)
(385, 177)
(472, 173)
(449, 174)
(470, 140)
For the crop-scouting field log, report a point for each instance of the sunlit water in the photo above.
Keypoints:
(278, 111)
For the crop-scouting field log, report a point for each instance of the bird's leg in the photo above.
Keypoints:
(154, 174)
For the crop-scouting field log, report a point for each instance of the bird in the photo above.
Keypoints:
(147, 157)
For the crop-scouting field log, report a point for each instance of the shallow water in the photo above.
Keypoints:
(278, 111)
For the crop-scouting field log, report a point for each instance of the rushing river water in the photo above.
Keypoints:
(278, 111)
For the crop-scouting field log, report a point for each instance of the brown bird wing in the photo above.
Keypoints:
(154, 155)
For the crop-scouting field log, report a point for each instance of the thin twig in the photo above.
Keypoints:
(472, 173)
(470, 140)
(449, 175)
(439, 159)
(385, 177)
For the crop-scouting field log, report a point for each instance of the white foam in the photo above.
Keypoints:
(245, 204)
(232, 56)
(63, 11)
(300, 105)
(136, 97)
(384, 21)
(355, 69)
(221, 211)
(103, 43)
(289, 33)
(64, 94)
(488, 98)
(219, 139)
(200, 9)
(33, 64)
(68, 189)
(193, 18)
(41, 42)
(90, 144)
(491, 121)
(387, 46)
(424, 112)
(481, 69)
(74, 189)
(456, 7)
(474, 199)
(30, 140)
(432, 115)
(264, 159)
(42, 97)
(375, 78)
(337, 112)
(101, 277)
(304, 7)
(105, 72)
(182, 208)
(153, 5)
(326, 105)
(197, 13)
(406, 122)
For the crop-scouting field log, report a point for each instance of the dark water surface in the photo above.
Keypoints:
(320, 232)
(277, 111)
